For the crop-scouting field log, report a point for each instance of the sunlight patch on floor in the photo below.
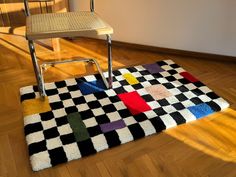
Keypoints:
(213, 135)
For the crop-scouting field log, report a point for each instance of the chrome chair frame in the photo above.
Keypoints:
(38, 69)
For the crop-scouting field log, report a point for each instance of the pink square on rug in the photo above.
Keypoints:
(134, 102)
(158, 92)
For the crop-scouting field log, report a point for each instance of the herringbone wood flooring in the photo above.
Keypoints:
(204, 148)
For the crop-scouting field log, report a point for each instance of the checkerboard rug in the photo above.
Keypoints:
(80, 117)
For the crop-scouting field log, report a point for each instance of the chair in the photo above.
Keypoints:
(66, 24)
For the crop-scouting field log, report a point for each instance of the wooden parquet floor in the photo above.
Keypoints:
(203, 148)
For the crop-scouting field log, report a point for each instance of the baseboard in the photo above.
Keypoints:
(174, 51)
(169, 50)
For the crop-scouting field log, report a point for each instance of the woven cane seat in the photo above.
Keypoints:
(69, 24)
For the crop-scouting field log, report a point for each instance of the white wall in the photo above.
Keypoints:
(195, 25)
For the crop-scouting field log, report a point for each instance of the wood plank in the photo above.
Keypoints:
(7, 159)
(206, 147)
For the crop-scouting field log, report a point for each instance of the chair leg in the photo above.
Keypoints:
(109, 61)
(37, 71)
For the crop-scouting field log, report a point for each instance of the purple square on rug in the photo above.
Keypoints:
(153, 68)
(107, 127)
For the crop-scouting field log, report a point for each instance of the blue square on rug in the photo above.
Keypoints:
(91, 87)
(200, 110)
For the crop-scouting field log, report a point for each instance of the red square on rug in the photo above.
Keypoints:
(134, 102)
(188, 76)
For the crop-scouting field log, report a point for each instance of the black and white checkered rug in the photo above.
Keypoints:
(80, 117)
